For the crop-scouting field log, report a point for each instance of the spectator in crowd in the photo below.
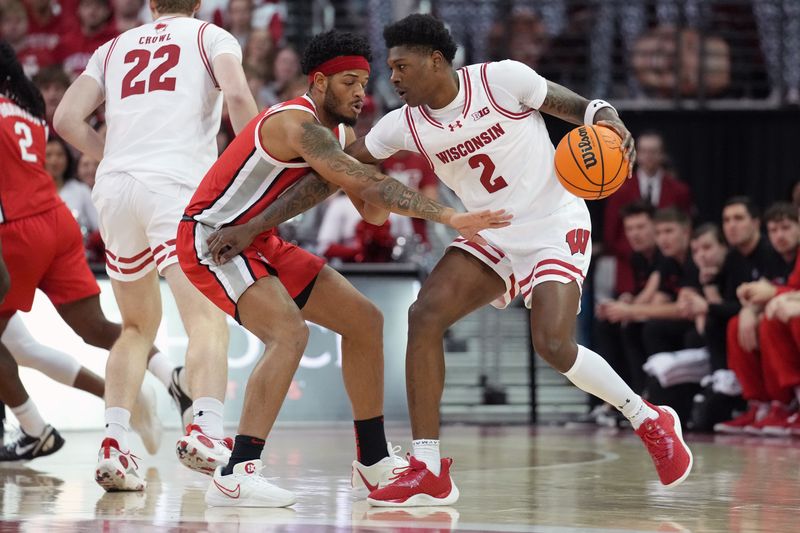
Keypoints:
(52, 82)
(14, 29)
(127, 14)
(288, 78)
(239, 20)
(259, 53)
(96, 28)
(652, 182)
(470, 22)
(779, 31)
(621, 342)
(756, 359)
(76, 194)
(48, 21)
(87, 169)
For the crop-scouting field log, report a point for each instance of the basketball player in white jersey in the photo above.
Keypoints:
(163, 86)
(482, 131)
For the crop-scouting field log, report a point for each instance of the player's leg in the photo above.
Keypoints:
(36, 438)
(554, 306)
(459, 284)
(335, 304)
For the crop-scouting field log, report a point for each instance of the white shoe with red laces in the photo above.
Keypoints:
(416, 486)
(365, 479)
(116, 470)
(201, 453)
(663, 439)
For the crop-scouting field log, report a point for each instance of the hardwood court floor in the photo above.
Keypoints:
(511, 479)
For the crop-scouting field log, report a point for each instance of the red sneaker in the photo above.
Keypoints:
(664, 441)
(794, 425)
(741, 422)
(775, 424)
(416, 486)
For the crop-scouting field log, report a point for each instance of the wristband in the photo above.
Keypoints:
(592, 109)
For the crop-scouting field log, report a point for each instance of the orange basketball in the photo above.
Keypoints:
(590, 162)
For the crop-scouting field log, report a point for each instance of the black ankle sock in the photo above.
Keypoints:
(370, 440)
(245, 448)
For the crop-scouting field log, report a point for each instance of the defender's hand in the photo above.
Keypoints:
(628, 145)
(469, 224)
(226, 243)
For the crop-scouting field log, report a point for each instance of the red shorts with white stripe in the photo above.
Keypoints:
(138, 224)
(268, 255)
(556, 247)
(45, 251)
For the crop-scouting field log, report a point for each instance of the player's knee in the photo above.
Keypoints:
(423, 315)
(555, 348)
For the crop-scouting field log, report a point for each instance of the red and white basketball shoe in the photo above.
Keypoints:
(754, 413)
(365, 479)
(201, 453)
(664, 441)
(416, 486)
(246, 487)
(117, 471)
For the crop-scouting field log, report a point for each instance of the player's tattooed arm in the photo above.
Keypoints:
(299, 198)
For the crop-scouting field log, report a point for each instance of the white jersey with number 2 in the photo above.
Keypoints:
(163, 104)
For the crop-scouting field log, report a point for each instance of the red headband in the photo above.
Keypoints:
(339, 64)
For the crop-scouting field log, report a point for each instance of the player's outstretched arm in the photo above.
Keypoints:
(69, 121)
(241, 104)
(571, 107)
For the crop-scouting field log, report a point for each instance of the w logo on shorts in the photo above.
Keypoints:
(577, 240)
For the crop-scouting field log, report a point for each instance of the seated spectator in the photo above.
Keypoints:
(48, 21)
(87, 169)
(761, 359)
(76, 194)
(652, 182)
(286, 72)
(96, 28)
(14, 29)
(52, 82)
(127, 14)
(239, 20)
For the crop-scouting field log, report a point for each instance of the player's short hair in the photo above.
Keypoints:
(672, 214)
(781, 211)
(175, 6)
(333, 43)
(639, 207)
(423, 31)
(15, 85)
(747, 202)
(713, 229)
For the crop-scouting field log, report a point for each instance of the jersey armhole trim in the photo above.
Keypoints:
(505, 112)
(412, 128)
(262, 150)
(108, 56)
(203, 55)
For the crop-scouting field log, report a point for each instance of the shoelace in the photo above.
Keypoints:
(405, 471)
(657, 443)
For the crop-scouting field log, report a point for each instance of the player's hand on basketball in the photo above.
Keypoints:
(469, 224)
(226, 243)
(628, 145)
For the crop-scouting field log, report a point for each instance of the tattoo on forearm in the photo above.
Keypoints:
(374, 187)
(564, 103)
(300, 197)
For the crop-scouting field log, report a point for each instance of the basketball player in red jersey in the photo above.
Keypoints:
(481, 130)
(272, 287)
(42, 248)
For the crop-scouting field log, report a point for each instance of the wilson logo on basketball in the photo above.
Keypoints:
(585, 146)
(577, 240)
(250, 468)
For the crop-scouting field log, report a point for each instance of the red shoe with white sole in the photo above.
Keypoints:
(116, 470)
(416, 486)
(664, 441)
(201, 453)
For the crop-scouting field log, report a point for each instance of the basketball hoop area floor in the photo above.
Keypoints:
(548, 480)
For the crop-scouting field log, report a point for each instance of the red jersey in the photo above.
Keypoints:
(246, 178)
(25, 186)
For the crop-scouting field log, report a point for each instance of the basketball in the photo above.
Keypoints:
(590, 163)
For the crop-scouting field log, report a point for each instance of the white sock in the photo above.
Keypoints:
(427, 451)
(161, 367)
(591, 373)
(118, 424)
(29, 418)
(208, 415)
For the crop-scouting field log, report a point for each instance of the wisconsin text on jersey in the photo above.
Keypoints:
(471, 145)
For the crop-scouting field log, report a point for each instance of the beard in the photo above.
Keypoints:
(331, 104)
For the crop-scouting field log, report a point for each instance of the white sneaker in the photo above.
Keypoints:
(144, 419)
(365, 479)
(117, 471)
(201, 453)
(246, 487)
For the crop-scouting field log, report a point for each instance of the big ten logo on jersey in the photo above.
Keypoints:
(477, 115)
(578, 240)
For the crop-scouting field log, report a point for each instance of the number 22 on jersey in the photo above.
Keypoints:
(158, 79)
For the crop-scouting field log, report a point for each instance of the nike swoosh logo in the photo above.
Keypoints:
(370, 486)
(22, 450)
(228, 492)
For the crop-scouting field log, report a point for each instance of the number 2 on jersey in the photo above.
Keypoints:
(157, 82)
(25, 141)
(483, 160)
